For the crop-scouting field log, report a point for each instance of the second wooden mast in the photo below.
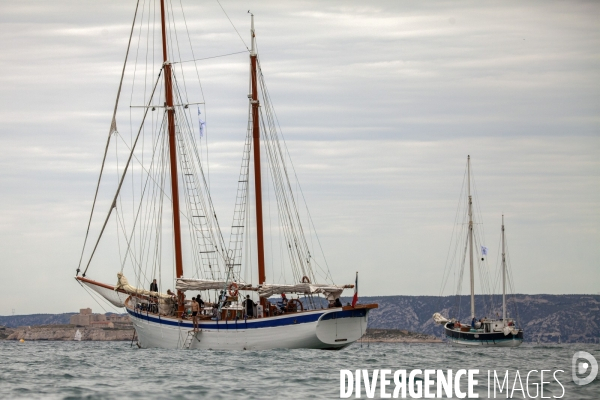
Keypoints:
(172, 154)
(173, 157)
(256, 150)
(471, 272)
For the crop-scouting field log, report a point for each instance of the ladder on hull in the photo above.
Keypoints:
(191, 335)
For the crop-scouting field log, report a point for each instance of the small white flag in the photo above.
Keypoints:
(201, 123)
(484, 250)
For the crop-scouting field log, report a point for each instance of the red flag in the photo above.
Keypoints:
(355, 298)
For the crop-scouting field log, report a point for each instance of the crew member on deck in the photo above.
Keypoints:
(224, 301)
(172, 296)
(195, 309)
(154, 300)
(249, 303)
(337, 303)
(173, 299)
(284, 302)
(221, 300)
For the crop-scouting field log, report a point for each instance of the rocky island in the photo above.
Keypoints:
(105, 327)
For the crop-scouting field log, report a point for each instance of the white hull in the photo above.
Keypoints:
(320, 329)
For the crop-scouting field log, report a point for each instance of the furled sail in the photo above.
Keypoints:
(108, 292)
(332, 292)
(510, 330)
(439, 319)
(123, 283)
(184, 284)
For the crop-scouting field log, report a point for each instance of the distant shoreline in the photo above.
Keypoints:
(549, 319)
(67, 333)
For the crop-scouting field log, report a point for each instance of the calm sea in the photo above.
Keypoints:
(111, 370)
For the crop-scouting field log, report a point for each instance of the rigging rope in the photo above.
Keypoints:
(209, 58)
(113, 204)
(197, 184)
(225, 12)
(276, 127)
(200, 86)
(113, 128)
(450, 261)
(137, 214)
(298, 248)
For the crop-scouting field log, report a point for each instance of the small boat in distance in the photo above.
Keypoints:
(77, 337)
(487, 332)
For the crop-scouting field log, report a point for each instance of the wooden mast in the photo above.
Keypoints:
(257, 176)
(503, 277)
(471, 239)
(172, 154)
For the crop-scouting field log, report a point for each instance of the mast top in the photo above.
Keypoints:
(252, 35)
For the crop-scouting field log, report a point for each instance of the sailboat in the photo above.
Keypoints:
(227, 320)
(487, 332)
(77, 336)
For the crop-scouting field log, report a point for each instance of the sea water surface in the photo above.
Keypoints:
(111, 370)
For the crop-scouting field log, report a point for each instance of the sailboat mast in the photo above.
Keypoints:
(471, 238)
(503, 275)
(172, 153)
(256, 147)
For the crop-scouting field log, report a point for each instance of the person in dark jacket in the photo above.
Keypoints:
(249, 303)
(200, 301)
(154, 300)
(283, 303)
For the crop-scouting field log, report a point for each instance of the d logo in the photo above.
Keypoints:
(582, 367)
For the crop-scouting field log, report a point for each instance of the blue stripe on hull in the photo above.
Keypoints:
(251, 324)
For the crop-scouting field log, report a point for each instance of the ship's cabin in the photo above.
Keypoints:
(484, 325)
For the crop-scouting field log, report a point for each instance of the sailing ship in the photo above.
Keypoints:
(228, 320)
(487, 332)
(77, 336)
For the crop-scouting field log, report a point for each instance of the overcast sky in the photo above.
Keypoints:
(380, 103)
